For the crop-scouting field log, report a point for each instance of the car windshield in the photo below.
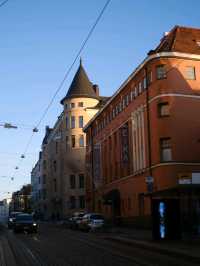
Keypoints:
(24, 218)
(97, 217)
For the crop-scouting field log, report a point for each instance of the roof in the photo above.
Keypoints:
(180, 39)
(81, 86)
(171, 42)
(102, 101)
(48, 131)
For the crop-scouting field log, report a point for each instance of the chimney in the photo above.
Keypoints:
(96, 89)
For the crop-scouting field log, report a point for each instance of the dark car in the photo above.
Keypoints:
(25, 222)
(92, 222)
(12, 218)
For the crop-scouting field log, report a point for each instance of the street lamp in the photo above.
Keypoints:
(8, 126)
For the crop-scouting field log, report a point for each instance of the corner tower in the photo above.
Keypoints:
(80, 105)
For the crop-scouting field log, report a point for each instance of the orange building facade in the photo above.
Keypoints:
(145, 142)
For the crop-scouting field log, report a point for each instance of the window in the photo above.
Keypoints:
(67, 122)
(54, 166)
(81, 202)
(123, 103)
(145, 83)
(81, 181)
(39, 180)
(190, 73)
(44, 194)
(140, 88)
(165, 149)
(149, 77)
(80, 104)
(81, 141)
(72, 202)
(44, 164)
(127, 99)
(72, 105)
(136, 92)
(44, 179)
(55, 185)
(73, 141)
(66, 106)
(161, 72)
(80, 121)
(113, 113)
(56, 147)
(72, 181)
(163, 109)
(67, 142)
(72, 121)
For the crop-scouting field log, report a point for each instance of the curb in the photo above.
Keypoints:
(155, 248)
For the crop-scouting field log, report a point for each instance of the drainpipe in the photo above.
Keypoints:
(92, 172)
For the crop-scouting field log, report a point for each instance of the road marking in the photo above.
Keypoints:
(36, 239)
(32, 255)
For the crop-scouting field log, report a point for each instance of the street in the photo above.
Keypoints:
(57, 246)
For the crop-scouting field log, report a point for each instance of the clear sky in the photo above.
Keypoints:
(38, 41)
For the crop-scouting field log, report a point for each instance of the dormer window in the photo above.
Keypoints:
(80, 104)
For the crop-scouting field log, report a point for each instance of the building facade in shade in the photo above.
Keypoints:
(21, 200)
(63, 150)
(144, 143)
(36, 185)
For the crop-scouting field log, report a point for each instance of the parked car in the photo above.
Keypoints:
(75, 220)
(92, 222)
(12, 218)
(25, 222)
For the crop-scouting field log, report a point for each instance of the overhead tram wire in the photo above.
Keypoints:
(3, 3)
(65, 76)
(74, 61)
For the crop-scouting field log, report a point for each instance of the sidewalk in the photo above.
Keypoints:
(188, 249)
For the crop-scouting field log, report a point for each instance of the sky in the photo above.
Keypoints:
(38, 42)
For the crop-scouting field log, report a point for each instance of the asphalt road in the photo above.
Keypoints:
(55, 246)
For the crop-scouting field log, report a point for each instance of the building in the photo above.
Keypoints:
(143, 146)
(21, 200)
(36, 186)
(4, 210)
(63, 149)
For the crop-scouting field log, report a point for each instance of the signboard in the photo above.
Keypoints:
(97, 165)
(185, 178)
(124, 144)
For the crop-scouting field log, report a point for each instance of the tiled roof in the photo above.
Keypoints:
(180, 39)
(80, 86)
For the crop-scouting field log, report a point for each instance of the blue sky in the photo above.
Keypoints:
(39, 40)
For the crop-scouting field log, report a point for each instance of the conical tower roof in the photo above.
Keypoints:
(80, 86)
